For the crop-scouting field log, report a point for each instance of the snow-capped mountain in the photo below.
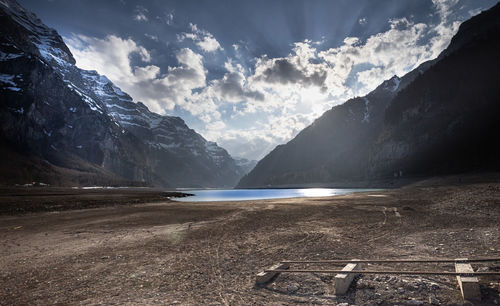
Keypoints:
(58, 118)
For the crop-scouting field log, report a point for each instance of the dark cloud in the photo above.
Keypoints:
(230, 87)
(284, 72)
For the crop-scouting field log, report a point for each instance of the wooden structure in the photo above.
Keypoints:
(466, 277)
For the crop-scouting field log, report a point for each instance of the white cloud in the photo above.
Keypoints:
(140, 13)
(169, 18)
(253, 143)
(152, 37)
(445, 30)
(111, 56)
(166, 17)
(308, 81)
(276, 97)
(209, 44)
(476, 11)
(203, 39)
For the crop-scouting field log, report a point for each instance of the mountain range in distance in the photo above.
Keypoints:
(62, 125)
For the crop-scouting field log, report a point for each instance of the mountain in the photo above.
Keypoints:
(245, 165)
(440, 118)
(66, 126)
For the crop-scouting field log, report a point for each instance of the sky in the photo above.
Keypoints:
(250, 75)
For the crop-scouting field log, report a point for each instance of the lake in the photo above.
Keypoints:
(209, 195)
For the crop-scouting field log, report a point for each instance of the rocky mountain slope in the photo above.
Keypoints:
(440, 118)
(63, 125)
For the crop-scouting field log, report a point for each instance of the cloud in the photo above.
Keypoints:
(111, 56)
(152, 37)
(233, 86)
(309, 81)
(209, 44)
(203, 39)
(395, 52)
(283, 71)
(258, 103)
(140, 13)
(444, 31)
(299, 70)
(169, 18)
(256, 141)
(246, 143)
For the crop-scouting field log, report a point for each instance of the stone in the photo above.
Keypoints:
(292, 288)
(433, 300)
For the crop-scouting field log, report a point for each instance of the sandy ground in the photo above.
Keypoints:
(208, 253)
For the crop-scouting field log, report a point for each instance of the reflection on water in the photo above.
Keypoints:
(205, 195)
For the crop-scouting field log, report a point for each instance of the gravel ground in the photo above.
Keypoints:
(208, 253)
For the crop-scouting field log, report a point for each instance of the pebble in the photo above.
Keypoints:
(434, 286)
(392, 280)
(433, 301)
(343, 304)
(411, 287)
(292, 288)
(361, 284)
(415, 302)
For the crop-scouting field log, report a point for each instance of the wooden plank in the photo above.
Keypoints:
(434, 260)
(266, 276)
(384, 272)
(344, 280)
(469, 286)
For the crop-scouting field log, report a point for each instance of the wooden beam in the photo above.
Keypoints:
(344, 280)
(266, 276)
(433, 260)
(469, 286)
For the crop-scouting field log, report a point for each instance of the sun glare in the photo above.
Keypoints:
(317, 192)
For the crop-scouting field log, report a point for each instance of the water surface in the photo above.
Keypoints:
(206, 195)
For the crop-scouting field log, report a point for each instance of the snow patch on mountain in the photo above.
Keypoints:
(7, 79)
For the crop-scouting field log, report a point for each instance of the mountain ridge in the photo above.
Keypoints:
(342, 146)
(70, 118)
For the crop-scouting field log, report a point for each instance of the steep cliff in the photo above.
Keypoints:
(65, 125)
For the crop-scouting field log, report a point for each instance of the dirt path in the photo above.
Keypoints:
(208, 253)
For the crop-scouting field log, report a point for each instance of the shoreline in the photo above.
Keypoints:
(21, 200)
(154, 252)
